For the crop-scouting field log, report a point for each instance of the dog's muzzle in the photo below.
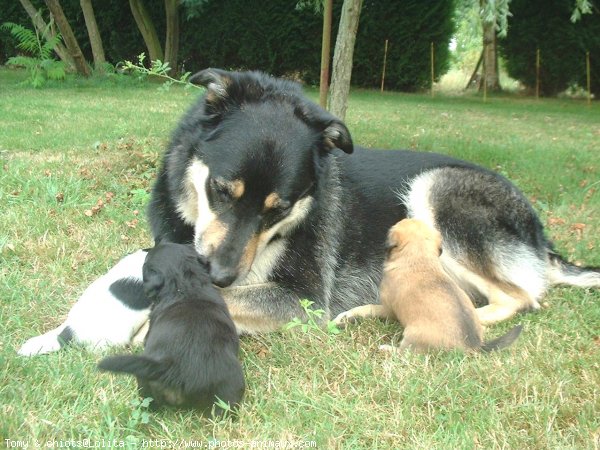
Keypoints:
(222, 276)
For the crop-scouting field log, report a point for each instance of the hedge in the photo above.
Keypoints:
(275, 36)
(546, 25)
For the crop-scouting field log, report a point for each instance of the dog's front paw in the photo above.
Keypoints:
(362, 312)
(388, 349)
(39, 345)
(344, 319)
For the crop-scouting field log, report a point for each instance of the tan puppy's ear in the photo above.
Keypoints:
(438, 241)
(389, 248)
(390, 243)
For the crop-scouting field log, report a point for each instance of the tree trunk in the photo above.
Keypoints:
(172, 38)
(94, 34)
(342, 58)
(68, 36)
(490, 58)
(146, 27)
(325, 53)
(48, 34)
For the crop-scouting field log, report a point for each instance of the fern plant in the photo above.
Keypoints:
(40, 65)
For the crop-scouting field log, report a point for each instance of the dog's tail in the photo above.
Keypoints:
(138, 365)
(502, 341)
(560, 271)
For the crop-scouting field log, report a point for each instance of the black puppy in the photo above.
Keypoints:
(191, 349)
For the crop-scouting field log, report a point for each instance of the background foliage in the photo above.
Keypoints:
(546, 24)
(273, 36)
(410, 28)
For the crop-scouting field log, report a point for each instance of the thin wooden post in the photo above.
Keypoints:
(589, 78)
(474, 74)
(385, 51)
(484, 84)
(325, 53)
(537, 74)
(484, 75)
(432, 67)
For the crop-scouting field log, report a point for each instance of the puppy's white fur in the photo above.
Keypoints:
(98, 319)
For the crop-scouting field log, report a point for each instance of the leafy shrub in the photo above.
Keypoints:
(40, 64)
(410, 27)
(277, 37)
(546, 24)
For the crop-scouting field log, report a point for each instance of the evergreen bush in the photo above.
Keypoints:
(546, 24)
(410, 26)
(274, 36)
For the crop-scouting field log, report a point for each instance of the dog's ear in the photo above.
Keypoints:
(389, 247)
(153, 282)
(334, 131)
(215, 81)
(438, 241)
(203, 260)
(217, 99)
(337, 135)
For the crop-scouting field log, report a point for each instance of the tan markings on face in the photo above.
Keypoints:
(237, 188)
(188, 205)
(249, 254)
(192, 206)
(272, 201)
(214, 235)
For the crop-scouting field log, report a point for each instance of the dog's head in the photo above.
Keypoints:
(415, 232)
(172, 263)
(258, 152)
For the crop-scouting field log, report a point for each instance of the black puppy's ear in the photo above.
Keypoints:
(153, 282)
(203, 260)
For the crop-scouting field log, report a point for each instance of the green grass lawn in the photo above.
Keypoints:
(71, 147)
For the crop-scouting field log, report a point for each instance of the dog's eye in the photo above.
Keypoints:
(284, 208)
(276, 214)
(220, 190)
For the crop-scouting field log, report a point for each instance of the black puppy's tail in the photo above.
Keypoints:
(502, 341)
(138, 365)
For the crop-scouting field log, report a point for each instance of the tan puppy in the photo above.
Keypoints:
(416, 291)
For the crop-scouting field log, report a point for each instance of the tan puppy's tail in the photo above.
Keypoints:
(502, 341)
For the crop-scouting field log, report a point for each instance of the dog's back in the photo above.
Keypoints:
(191, 350)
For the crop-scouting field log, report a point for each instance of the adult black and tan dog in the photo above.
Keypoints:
(271, 190)
(190, 357)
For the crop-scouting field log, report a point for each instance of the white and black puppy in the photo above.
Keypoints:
(191, 351)
(110, 312)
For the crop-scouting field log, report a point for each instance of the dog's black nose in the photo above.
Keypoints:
(222, 276)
